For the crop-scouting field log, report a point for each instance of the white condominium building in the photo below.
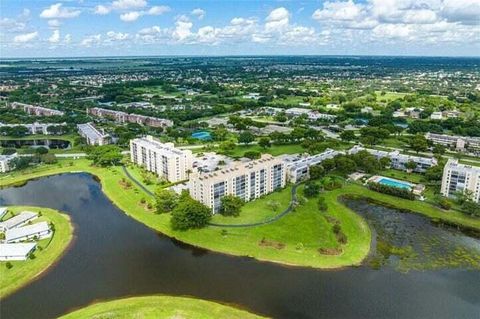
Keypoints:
(163, 159)
(459, 178)
(298, 167)
(93, 135)
(246, 180)
(36, 110)
(399, 161)
(460, 143)
(6, 162)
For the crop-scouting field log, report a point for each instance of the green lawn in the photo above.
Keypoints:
(48, 251)
(153, 307)
(403, 175)
(275, 150)
(389, 96)
(300, 233)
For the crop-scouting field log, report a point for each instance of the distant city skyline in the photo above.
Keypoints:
(89, 28)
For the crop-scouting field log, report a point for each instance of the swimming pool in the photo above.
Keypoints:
(395, 183)
(203, 135)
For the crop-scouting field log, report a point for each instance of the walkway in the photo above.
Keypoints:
(265, 222)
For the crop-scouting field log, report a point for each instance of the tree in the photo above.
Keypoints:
(227, 146)
(105, 155)
(189, 214)
(41, 150)
(165, 200)
(246, 137)
(438, 149)
(48, 158)
(316, 171)
(347, 136)
(252, 154)
(322, 204)
(434, 173)
(264, 142)
(231, 205)
(385, 162)
(311, 189)
(273, 204)
(419, 143)
(410, 166)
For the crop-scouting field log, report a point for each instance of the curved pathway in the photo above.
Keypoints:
(265, 222)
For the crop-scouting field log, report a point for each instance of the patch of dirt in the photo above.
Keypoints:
(271, 243)
(330, 251)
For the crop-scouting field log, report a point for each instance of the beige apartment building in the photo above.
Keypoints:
(162, 159)
(246, 180)
(459, 178)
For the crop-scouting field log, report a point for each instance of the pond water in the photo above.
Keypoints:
(50, 143)
(114, 256)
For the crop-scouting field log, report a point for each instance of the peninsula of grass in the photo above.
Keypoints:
(158, 307)
(48, 251)
(294, 239)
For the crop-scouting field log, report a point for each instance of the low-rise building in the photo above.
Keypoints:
(18, 220)
(35, 231)
(6, 162)
(19, 251)
(36, 128)
(460, 143)
(399, 161)
(298, 167)
(436, 116)
(123, 117)
(246, 180)
(461, 178)
(3, 212)
(162, 159)
(36, 110)
(311, 114)
(93, 135)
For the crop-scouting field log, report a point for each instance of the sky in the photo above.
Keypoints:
(72, 28)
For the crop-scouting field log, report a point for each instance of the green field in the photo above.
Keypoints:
(158, 307)
(49, 250)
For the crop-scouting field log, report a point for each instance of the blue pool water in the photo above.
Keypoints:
(203, 135)
(394, 183)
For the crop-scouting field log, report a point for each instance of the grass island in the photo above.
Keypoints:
(48, 251)
(159, 307)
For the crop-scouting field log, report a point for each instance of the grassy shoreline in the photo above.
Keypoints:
(160, 307)
(293, 240)
(24, 272)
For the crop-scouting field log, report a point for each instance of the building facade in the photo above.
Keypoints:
(6, 162)
(460, 178)
(36, 128)
(162, 159)
(93, 135)
(247, 181)
(399, 161)
(123, 117)
(36, 110)
(460, 143)
(298, 168)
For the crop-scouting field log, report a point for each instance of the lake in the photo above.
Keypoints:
(114, 256)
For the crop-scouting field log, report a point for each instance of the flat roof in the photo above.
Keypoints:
(20, 232)
(91, 131)
(20, 249)
(18, 219)
(3, 211)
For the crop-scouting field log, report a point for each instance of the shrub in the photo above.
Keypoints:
(9, 265)
(390, 190)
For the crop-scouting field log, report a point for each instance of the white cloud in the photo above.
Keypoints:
(152, 30)
(91, 40)
(12, 25)
(55, 37)
(25, 37)
(128, 4)
(130, 16)
(277, 20)
(183, 29)
(55, 23)
(117, 36)
(55, 11)
(158, 10)
(199, 13)
(67, 39)
(464, 11)
(102, 10)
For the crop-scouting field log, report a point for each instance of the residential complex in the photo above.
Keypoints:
(35, 128)
(298, 167)
(311, 114)
(460, 143)
(18, 251)
(18, 220)
(163, 159)
(246, 180)
(93, 135)
(35, 110)
(459, 177)
(123, 117)
(399, 161)
(5, 162)
(35, 231)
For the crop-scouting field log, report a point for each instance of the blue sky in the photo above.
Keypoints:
(45, 28)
